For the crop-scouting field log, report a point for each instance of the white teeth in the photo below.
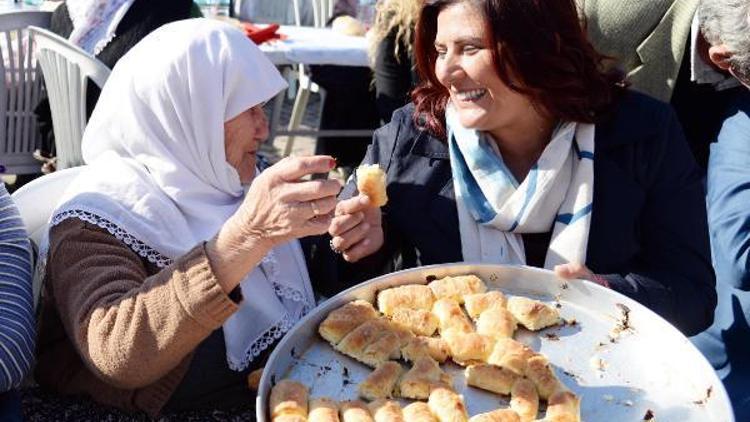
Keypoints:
(472, 95)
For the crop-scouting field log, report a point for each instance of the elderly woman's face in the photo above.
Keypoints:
(242, 138)
(465, 67)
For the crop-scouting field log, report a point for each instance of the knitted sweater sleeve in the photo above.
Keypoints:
(16, 318)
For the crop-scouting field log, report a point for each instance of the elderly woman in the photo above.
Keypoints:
(172, 266)
(518, 149)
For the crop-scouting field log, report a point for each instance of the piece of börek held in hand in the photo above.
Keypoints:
(457, 287)
(288, 400)
(499, 415)
(533, 314)
(386, 411)
(323, 409)
(563, 406)
(381, 382)
(447, 405)
(419, 411)
(491, 378)
(524, 400)
(371, 181)
(345, 319)
(355, 411)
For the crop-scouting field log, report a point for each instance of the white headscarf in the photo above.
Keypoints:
(157, 175)
(95, 22)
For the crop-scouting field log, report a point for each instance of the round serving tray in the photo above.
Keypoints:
(624, 361)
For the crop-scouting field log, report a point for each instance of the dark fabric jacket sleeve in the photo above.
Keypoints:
(729, 200)
(672, 275)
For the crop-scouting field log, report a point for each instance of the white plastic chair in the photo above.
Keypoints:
(66, 70)
(20, 92)
(35, 201)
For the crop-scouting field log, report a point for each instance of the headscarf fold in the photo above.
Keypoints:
(95, 22)
(157, 176)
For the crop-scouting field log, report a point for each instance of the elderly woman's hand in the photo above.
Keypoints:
(356, 230)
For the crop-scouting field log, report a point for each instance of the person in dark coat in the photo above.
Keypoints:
(529, 153)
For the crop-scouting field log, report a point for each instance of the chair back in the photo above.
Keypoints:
(20, 92)
(322, 12)
(35, 202)
(67, 69)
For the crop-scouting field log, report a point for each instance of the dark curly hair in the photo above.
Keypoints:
(546, 57)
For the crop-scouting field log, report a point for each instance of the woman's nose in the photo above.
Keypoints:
(450, 70)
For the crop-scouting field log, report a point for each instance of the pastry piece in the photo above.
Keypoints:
(386, 411)
(477, 303)
(410, 296)
(380, 383)
(496, 322)
(343, 320)
(563, 406)
(290, 418)
(357, 341)
(424, 376)
(533, 314)
(447, 405)
(510, 354)
(434, 347)
(539, 371)
(288, 398)
(323, 409)
(524, 399)
(467, 348)
(451, 317)
(491, 378)
(355, 411)
(457, 287)
(371, 182)
(418, 321)
(378, 352)
(499, 415)
(419, 411)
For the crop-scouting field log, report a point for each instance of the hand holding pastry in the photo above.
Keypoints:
(356, 230)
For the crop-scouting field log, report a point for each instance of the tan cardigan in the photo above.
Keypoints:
(117, 328)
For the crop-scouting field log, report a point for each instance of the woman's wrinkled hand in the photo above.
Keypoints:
(356, 230)
(280, 206)
(580, 271)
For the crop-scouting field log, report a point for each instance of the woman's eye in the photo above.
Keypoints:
(440, 53)
(470, 49)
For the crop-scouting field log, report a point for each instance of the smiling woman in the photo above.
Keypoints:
(519, 148)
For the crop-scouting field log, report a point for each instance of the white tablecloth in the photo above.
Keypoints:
(308, 45)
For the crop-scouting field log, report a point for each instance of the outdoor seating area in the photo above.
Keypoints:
(375, 210)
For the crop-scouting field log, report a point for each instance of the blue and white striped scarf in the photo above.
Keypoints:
(494, 209)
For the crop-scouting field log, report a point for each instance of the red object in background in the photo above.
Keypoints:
(261, 34)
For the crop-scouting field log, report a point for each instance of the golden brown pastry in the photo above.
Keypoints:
(418, 321)
(533, 314)
(434, 347)
(253, 379)
(447, 405)
(386, 411)
(477, 303)
(343, 320)
(356, 342)
(451, 317)
(290, 418)
(380, 383)
(380, 350)
(457, 287)
(524, 399)
(323, 409)
(371, 181)
(410, 296)
(467, 348)
(423, 377)
(491, 378)
(540, 372)
(355, 411)
(496, 322)
(288, 398)
(563, 406)
(499, 415)
(510, 354)
(419, 411)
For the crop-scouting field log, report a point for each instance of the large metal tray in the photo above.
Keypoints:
(623, 366)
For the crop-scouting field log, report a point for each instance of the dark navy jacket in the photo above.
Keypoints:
(726, 343)
(648, 235)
